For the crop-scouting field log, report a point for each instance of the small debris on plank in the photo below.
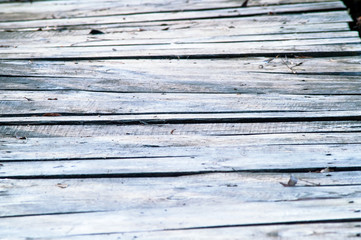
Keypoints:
(62, 185)
(51, 114)
(326, 170)
(232, 185)
(291, 182)
(95, 32)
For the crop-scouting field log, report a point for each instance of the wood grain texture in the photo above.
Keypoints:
(333, 231)
(180, 204)
(350, 46)
(77, 103)
(177, 15)
(157, 219)
(332, 75)
(180, 120)
(72, 9)
(213, 129)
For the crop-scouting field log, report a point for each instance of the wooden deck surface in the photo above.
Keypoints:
(178, 119)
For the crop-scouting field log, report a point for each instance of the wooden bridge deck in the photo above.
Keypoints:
(178, 119)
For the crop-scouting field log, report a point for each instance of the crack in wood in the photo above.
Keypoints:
(51, 214)
(270, 224)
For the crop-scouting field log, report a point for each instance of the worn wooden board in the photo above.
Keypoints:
(130, 153)
(333, 75)
(239, 68)
(214, 129)
(72, 9)
(344, 46)
(285, 23)
(182, 36)
(177, 15)
(157, 154)
(119, 161)
(331, 231)
(182, 217)
(233, 188)
(81, 102)
(180, 204)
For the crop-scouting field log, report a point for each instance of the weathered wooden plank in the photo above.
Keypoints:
(147, 162)
(65, 102)
(222, 37)
(131, 207)
(28, 197)
(157, 154)
(71, 9)
(310, 47)
(180, 15)
(196, 68)
(213, 129)
(114, 68)
(307, 231)
(196, 35)
(286, 23)
(182, 217)
(339, 75)
(27, 200)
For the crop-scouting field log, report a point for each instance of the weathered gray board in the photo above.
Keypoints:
(133, 206)
(184, 40)
(193, 148)
(332, 75)
(73, 9)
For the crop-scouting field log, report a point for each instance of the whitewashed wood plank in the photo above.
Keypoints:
(213, 129)
(177, 218)
(186, 51)
(71, 9)
(206, 153)
(147, 162)
(114, 69)
(330, 231)
(212, 34)
(333, 75)
(28, 197)
(349, 46)
(285, 23)
(182, 15)
(42, 102)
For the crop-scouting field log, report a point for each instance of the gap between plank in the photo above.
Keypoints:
(180, 174)
(198, 56)
(53, 121)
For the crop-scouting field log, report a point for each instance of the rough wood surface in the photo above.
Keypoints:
(179, 119)
(187, 203)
